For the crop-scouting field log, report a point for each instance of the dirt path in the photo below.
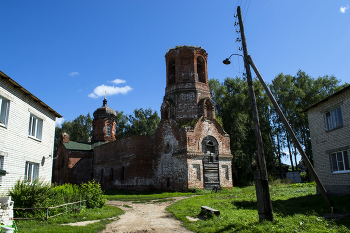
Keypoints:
(143, 217)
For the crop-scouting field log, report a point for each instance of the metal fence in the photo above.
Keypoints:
(48, 208)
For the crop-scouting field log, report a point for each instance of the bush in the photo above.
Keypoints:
(93, 194)
(37, 194)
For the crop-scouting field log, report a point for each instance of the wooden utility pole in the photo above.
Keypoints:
(268, 215)
(294, 138)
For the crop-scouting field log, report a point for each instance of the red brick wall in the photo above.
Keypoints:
(77, 167)
(134, 153)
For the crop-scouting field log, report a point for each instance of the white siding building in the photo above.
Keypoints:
(329, 122)
(27, 130)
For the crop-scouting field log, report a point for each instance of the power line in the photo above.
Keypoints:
(247, 10)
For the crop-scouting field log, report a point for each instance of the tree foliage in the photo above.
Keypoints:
(141, 122)
(293, 94)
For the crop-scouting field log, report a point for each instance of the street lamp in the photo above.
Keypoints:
(227, 60)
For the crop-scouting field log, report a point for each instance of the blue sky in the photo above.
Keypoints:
(67, 52)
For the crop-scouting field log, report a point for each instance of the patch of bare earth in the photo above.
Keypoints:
(145, 217)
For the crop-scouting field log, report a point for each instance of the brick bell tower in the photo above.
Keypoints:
(103, 125)
(187, 94)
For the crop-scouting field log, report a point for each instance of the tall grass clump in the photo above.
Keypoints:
(38, 194)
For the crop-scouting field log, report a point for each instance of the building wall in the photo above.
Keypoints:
(16, 146)
(72, 166)
(208, 127)
(134, 153)
(324, 142)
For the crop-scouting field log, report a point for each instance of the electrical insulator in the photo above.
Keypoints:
(237, 31)
(238, 40)
(235, 15)
(240, 49)
(236, 23)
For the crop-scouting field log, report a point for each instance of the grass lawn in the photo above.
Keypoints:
(54, 224)
(142, 197)
(296, 209)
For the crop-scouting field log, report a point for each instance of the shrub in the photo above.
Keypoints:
(36, 194)
(27, 194)
(93, 194)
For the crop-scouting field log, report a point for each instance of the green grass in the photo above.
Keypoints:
(54, 224)
(141, 197)
(296, 209)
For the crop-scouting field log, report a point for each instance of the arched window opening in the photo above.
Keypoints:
(109, 130)
(208, 109)
(165, 113)
(122, 177)
(111, 175)
(201, 70)
(171, 71)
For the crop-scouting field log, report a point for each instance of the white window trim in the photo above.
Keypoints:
(342, 171)
(331, 118)
(27, 163)
(8, 110)
(37, 113)
(2, 93)
(31, 118)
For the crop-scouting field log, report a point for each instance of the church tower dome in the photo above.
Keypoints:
(103, 124)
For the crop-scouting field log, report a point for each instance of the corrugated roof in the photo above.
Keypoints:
(72, 145)
(4, 76)
(327, 98)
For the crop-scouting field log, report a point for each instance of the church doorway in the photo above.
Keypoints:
(210, 149)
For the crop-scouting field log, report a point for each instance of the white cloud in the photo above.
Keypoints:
(73, 73)
(343, 9)
(59, 121)
(111, 90)
(117, 81)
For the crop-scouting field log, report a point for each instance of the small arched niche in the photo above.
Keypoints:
(208, 109)
(201, 70)
(171, 71)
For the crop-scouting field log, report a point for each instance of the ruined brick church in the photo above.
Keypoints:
(190, 149)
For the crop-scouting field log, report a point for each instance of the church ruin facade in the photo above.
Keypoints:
(190, 149)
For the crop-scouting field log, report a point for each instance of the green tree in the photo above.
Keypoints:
(122, 125)
(143, 122)
(79, 130)
(233, 107)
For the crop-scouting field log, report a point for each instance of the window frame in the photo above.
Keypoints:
(5, 113)
(333, 119)
(33, 169)
(344, 161)
(109, 131)
(37, 131)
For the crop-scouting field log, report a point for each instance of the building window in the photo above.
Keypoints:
(171, 71)
(333, 119)
(339, 161)
(31, 171)
(35, 127)
(109, 130)
(4, 110)
(200, 70)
